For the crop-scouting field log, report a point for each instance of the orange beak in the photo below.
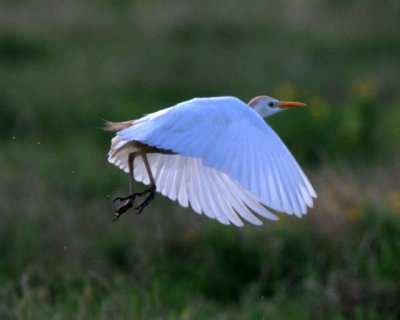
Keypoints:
(290, 104)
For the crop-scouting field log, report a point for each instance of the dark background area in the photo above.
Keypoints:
(65, 66)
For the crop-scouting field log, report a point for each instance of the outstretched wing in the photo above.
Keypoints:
(226, 155)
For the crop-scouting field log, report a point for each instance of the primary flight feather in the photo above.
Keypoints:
(216, 155)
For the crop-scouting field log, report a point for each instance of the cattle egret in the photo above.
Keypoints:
(216, 155)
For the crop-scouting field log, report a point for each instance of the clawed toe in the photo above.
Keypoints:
(143, 205)
(122, 209)
(116, 216)
(130, 199)
(151, 191)
(119, 199)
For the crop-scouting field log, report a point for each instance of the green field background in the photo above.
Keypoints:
(66, 66)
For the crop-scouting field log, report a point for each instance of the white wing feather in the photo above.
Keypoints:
(229, 162)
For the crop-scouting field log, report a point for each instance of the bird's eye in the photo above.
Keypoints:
(271, 104)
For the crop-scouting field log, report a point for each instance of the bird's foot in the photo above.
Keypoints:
(128, 203)
(151, 194)
(130, 199)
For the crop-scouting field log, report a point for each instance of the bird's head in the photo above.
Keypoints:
(268, 106)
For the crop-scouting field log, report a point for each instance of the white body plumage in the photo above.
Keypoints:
(227, 162)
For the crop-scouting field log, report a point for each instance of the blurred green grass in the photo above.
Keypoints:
(64, 70)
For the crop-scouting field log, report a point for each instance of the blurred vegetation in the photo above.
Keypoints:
(67, 65)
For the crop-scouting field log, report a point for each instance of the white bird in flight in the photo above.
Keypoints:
(216, 155)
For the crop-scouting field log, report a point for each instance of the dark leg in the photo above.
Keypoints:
(151, 191)
(129, 200)
(151, 194)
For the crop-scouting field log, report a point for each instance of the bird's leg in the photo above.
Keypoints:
(151, 191)
(129, 199)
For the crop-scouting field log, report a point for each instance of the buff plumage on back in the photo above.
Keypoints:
(117, 126)
(229, 164)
